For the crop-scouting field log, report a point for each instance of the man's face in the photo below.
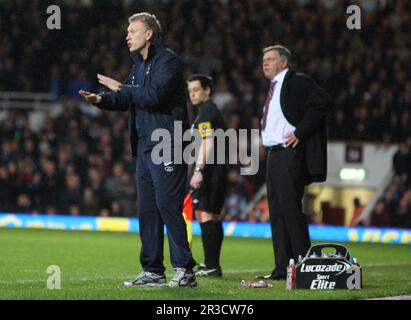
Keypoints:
(273, 64)
(196, 92)
(137, 36)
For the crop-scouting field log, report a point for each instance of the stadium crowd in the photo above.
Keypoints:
(394, 207)
(80, 164)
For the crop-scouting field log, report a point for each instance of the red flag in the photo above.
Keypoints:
(188, 217)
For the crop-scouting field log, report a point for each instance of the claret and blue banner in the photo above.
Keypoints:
(235, 229)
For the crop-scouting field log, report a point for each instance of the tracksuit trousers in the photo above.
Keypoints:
(160, 192)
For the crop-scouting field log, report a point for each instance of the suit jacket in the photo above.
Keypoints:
(305, 105)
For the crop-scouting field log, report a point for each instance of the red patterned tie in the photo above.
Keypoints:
(267, 103)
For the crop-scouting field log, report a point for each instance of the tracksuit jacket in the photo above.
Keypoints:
(147, 95)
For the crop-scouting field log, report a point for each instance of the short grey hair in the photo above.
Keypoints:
(283, 52)
(150, 21)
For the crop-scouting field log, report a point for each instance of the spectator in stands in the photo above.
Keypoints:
(118, 188)
(261, 212)
(95, 182)
(370, 85)
(24, 204)
(356, 85)
(51, 211)
(49, 187)
(402, 218)
(222, 96)
(74, 210)
(113, 183)
(116, 210)
(7, 191)
(27, 178)
(104, 212)
(70, 199)
(89, 204)
(127, 197)
(30, 149)
(236, 198)
(391, 198)
(380, 216)
(8, 149)
(358, 207)
(338, 128)
(402, 161)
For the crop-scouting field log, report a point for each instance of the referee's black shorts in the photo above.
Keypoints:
(210, 197)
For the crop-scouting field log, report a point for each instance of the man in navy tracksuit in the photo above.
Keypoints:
(154, 94)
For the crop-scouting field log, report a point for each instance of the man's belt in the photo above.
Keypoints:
(275, 148)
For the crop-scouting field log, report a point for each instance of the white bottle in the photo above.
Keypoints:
(290, 284)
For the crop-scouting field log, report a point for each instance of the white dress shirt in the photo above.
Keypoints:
(277, 125)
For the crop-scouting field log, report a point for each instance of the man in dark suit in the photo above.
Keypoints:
(293, 131)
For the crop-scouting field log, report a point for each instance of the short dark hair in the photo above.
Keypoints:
(285, 53)
(205, 81)
(150, 21)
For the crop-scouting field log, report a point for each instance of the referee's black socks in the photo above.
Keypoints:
(212, 235)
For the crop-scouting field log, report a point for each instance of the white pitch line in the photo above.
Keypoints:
(228, 271)
(84, 279)
(404, 297)
(385, 264)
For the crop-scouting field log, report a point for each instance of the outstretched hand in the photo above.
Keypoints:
(90, 97)
(110, 83)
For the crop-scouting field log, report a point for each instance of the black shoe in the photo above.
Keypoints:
(203, 271)
(272, 277)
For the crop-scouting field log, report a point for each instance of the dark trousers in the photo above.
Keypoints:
(160, 200)
(285, 189)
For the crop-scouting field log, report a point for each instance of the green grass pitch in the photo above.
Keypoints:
(94, 264)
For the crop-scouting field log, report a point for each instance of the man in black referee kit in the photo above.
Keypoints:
(209, 179)
(154, 94)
